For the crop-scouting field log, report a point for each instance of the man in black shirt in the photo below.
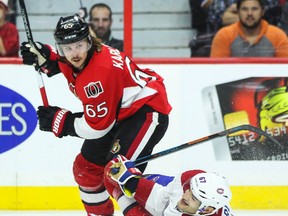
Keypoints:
(100, 17)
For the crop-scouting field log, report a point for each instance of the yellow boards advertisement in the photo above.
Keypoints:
(259, 101)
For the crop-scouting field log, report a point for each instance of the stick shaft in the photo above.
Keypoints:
(28, 31)
(145, 159)
(26, 20)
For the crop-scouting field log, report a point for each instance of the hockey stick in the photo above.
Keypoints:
(30, 40)
(145, 159)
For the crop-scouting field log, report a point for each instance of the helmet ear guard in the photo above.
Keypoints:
(211, 190)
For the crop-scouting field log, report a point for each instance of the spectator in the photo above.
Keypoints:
(9, 37)
(207, 20)
(100, 17)
(274, 10)
(193, 192)
(251, 36)
(283, 24)
(208, 16)
(125, 108)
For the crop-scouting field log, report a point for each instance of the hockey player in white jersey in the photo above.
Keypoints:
(193, 192)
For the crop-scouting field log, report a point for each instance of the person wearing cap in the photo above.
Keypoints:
(125, 107)
(193, 192)
(9, 37)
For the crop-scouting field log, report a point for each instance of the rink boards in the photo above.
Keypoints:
(36, 167)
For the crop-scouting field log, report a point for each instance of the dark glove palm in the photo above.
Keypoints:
(36, 55)
(28, 57)
(46, 116)
(52, 119)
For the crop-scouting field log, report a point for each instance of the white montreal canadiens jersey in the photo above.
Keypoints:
(162, 200)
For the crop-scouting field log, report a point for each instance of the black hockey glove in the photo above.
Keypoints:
(124, 172)
(36, 55)
(39, 55)
(55, 119)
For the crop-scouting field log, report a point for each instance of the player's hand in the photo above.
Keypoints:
(116, 170)
(52, 119)
(36, 55)
(123, 170)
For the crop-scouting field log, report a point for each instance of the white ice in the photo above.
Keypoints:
(82, 213)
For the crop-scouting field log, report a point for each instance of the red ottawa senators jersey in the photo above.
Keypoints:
(112, 88)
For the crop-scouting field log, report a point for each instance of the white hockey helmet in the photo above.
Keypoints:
(211, 190)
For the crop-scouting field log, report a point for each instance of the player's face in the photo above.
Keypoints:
(76, 53)
(250, 14)
(100, 21)
(188, 204)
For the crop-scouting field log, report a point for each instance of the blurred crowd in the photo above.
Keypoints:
(249, 28)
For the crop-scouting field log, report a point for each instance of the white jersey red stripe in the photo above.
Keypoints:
(162, 200)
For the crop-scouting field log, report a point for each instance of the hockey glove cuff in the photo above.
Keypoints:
(57, 120)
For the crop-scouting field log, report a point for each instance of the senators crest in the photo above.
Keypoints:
(93, 89)
(116, 147)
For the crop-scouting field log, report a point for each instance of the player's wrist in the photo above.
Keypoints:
(59, 122)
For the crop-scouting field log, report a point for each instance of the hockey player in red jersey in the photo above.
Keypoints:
(125, 108)
(194, 192)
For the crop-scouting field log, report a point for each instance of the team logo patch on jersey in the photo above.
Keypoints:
(116, 147)
(93, 89)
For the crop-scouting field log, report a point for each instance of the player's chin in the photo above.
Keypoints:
(77, 64)
(101, 33)
(184, 209)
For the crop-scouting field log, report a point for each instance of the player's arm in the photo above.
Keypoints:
(230, 15)
(95, 122)
(43, 57)
(57, 120)
(147, 193)
(63, 122)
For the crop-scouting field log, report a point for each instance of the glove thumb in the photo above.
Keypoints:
(40, 56)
